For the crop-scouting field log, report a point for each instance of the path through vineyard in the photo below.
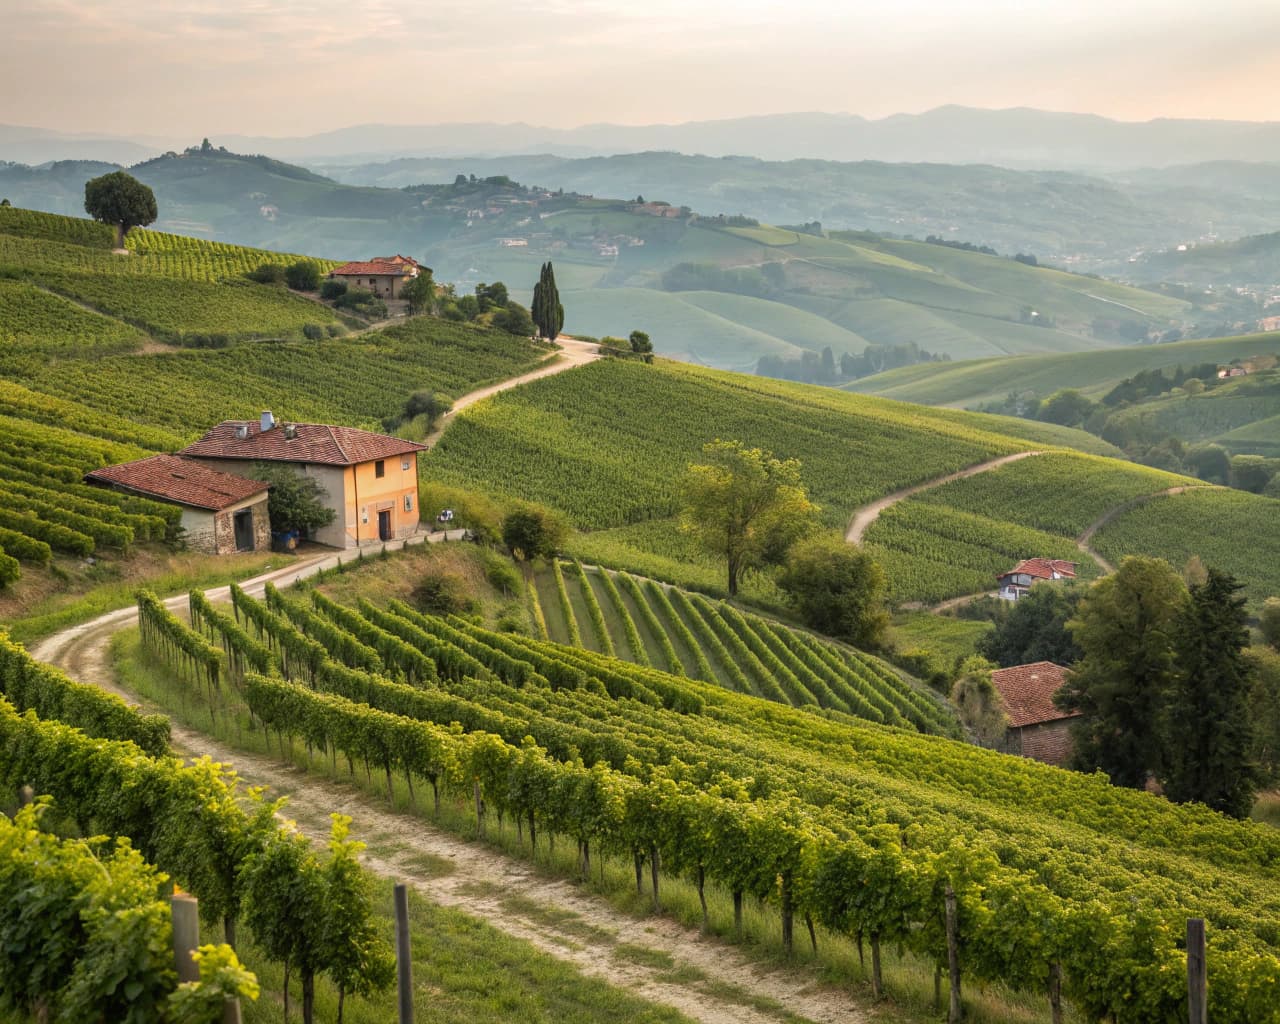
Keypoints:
(656, 957)
(573, 353)
(1082, 542)
(868, 514)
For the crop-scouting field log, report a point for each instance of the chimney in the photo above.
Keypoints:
(268, 421)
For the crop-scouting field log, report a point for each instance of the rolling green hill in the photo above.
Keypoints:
(92, 375)
(979, 381)
(614, 466)
(724, 296)
(621, 267)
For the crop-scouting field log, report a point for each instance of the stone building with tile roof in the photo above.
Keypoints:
(369, 480)
(385, 276)
(222, 513)
(1037, 728)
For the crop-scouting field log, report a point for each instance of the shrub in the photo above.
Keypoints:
(303, 276)
(313, 332)
(442, 594)
(268, 273)
(336, 330)
(333, 289)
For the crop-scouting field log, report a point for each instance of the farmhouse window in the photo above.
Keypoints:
(380, 468)
(408, 502)
(404, 464)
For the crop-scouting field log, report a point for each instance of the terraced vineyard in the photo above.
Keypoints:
(1050, 870)
(686, 634)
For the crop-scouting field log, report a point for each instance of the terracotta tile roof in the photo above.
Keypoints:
(180, 480)
(379, 266)
(315, 443)
(1028, 692)
(1043, 568)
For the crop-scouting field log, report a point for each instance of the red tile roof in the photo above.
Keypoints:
(315, 443)
(1028, 692)
(180, 480)
(379, 266)
(1042, 568)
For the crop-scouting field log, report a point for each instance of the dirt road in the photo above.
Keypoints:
(655, 957)
(573, 353)
(868, 514)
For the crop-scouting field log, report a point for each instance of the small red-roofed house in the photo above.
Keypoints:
(1037, 728)
(1017, 582)
(369, 480)
(221, 512)
(385, 276)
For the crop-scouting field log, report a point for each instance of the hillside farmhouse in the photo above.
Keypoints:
(1037, 729)
(385, 276)
(1017, 582)
(221, 513)
(369, 480)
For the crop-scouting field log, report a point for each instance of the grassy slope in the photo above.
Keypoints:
(1242, 413)
(978, 381)
(613, 466)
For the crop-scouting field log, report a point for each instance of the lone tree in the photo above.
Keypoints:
(420, 292)
(120, 199)
(979, 703)
(547, 311)
(532, 531)
(745, 506)
(295, 502)
(641, 345)
(1209, 724)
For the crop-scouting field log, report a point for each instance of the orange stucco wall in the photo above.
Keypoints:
(367, 494)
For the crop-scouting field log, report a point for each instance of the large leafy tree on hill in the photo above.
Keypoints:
(547, 311)
(1125, 627)
(120, 199)
(745, 506)
(1208, 725)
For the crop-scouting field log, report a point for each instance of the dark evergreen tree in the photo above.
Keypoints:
(1035, 629)
(547, 311)
(1125, 626)
(1208, 722)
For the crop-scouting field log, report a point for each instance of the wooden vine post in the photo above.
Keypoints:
(404, 963)
(954, 1011)
(1197, 1003)
(185, 912)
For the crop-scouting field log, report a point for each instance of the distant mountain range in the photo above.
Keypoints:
(1018, 137)
(1077, 220)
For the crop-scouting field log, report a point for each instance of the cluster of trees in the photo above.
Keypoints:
(824, 368)
(1144, 440)
(637, 344)
(760, 282)
(489, 303)
(295, 502)
(750, 509)
(1165, 685)
(301, 276)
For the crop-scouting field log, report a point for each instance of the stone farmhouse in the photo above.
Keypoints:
(221, 513)
(385, 276)
(369, 480)
(1037, 728)
(1017, 582)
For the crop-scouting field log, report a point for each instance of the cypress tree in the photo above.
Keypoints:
(547, 310)
(1208, 724)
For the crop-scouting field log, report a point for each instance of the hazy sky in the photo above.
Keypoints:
(284, 67)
